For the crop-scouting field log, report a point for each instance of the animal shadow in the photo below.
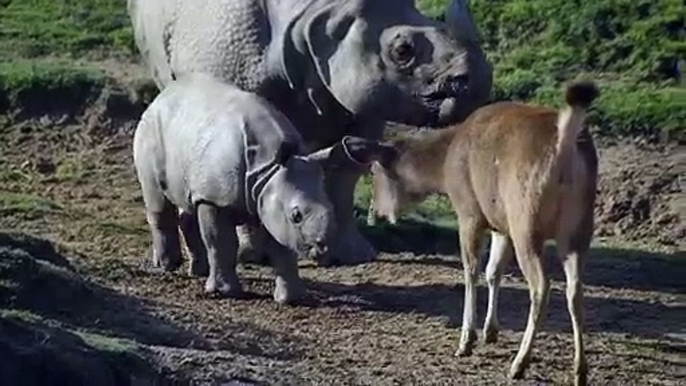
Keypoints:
(608, 267)
(410, 235)
(615, 315)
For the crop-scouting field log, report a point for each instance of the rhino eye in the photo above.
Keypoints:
(296, 216)
(403, 52)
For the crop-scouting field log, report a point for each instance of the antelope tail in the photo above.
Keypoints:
(570, 122)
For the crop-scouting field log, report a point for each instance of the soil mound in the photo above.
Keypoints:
(641, 194)
(41, 341)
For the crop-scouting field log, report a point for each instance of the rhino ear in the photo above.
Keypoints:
(323, 34)
(309, 41)
(292, 62)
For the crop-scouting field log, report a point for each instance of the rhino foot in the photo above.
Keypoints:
(351, 249)
(289, 292)
(199, 267)
(163, 262)
(222, 288)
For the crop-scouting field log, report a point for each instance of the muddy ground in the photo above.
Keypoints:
(394, 321)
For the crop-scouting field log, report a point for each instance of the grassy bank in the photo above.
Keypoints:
(36, 87)
(46, 47)
(64, 28)
(632, 48)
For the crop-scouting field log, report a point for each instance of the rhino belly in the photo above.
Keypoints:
(225, 38)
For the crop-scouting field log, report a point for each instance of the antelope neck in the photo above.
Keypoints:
(423, 158)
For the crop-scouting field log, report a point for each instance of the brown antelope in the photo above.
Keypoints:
(527, 174)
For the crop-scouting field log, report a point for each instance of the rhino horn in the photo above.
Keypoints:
(460, 23)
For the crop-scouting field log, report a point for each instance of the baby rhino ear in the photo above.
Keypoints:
(286, 151)
(353, 152)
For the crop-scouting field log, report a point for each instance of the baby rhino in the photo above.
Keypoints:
(226, 157)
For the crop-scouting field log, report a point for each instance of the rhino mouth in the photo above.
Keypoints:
(452, 87)
(317, 249)
(453, 90)
(313, 250)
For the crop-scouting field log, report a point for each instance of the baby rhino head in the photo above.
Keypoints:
(293, 205)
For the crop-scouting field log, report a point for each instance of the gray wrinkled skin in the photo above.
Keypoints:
(221, 155)
(333, 67)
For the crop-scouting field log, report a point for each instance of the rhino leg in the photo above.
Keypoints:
(350, 246)
(196, 249)
(218, 233)
(289, 286)
(163, 221)
(251, 242)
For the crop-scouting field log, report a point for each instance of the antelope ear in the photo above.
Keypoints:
(285, 152)
(363, 151)
(388, 156)
(353, 152)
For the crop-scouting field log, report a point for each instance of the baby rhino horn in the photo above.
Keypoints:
(352, 152)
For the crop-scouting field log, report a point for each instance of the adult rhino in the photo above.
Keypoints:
(343, 65)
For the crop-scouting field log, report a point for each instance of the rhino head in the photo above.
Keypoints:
(293, 205)
(384, 59)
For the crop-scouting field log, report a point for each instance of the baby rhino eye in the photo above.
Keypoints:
(403, 52)
(296, 216)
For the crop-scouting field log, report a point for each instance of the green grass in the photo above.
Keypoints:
(39, 40)
(45, 85)
(8, 175)
(432, 8)
(26, 206)
(73, 167)
(630, 47)
(626, 109)
(64, 28)
(107, 344)
(102, 343)
(427, 227)
(7, 285)
(20, 315)
(436, 210)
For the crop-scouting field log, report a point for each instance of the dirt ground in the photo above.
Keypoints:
(393, 321)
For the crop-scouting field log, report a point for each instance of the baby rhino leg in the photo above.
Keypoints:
(218, 233)
(198, 255)
(163, 222)
(289, 286)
